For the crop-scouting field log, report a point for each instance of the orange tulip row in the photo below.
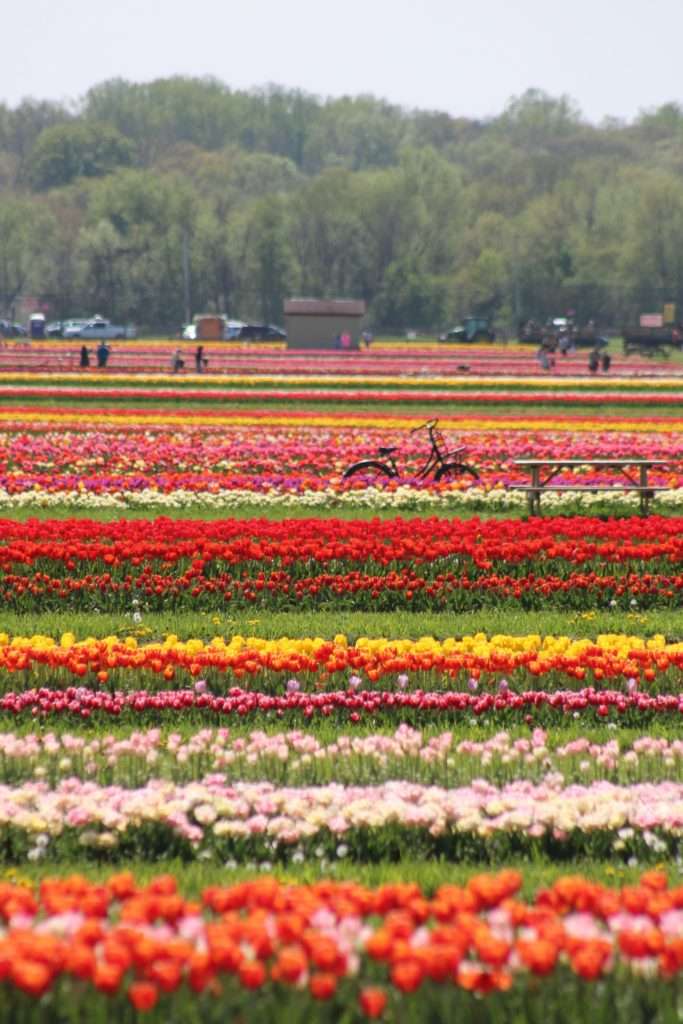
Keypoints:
(314, 663)
(331, 941)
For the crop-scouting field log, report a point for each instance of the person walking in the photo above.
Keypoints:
(177, 361)
(543, 357)
(199, 360)
(85, 357)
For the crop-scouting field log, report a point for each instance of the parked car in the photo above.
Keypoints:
(97, 328)
(12, 330)
(238, 330)
(57, 328)
(232, 329)
(261, 332)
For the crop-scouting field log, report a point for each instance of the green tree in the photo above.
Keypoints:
(328, 236)
(409, 297)
(485, 282)
(77, 149)
(269, 257)
(24, 229)
(652, 254)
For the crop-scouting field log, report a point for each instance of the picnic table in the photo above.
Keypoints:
(544, 471)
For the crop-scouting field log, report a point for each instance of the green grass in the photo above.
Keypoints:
(274, 513)
(283, 510)
(394, 625)
(426, 409)
(194, 877)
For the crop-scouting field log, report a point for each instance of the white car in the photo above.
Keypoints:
(98, 328)
(190, 332)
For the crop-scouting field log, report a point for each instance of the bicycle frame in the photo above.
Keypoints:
(436, 456)
(433, 460)
(436, 459)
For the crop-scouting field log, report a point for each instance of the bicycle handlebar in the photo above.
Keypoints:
(429, 425)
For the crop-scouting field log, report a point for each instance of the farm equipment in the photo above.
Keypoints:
(561, 329)
(655, 335)
(471, 330)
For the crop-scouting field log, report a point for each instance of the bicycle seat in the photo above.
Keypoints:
(387, 451)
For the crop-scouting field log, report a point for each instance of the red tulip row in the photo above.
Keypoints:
(260, 391)
(352, 706)
(576, 540)
(359, 590)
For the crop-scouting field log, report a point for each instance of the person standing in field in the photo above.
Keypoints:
(199, 360)
(102, 354)
(85, 357)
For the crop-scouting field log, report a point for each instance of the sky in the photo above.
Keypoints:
(614, 58)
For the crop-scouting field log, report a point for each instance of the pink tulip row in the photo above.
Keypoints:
(211, 813)
(406, 753)
(496, 360)
(384, 396)
(294, 458)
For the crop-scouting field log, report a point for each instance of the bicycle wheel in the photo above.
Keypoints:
(451, 471)
(370, 470)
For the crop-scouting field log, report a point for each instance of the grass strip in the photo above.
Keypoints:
(427, 409)
(428, 874)
(327, 624)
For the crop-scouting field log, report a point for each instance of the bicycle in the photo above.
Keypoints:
(440, 461)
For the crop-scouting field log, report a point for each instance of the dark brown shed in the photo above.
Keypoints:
(317, 323)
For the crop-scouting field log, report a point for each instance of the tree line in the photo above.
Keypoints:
(149, 202)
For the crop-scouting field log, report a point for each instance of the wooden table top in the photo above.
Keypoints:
(593, 462)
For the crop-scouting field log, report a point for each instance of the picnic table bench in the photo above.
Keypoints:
(544, 471)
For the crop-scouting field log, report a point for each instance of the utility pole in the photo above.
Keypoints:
(186, 277)
(515, 281)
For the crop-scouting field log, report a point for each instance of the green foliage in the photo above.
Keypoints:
(24, 229)
(425, 216)
(270, 256)
(77, 149)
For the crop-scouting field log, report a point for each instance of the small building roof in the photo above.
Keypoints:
(324, 307)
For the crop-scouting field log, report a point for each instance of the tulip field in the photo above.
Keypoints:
(279, 746)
